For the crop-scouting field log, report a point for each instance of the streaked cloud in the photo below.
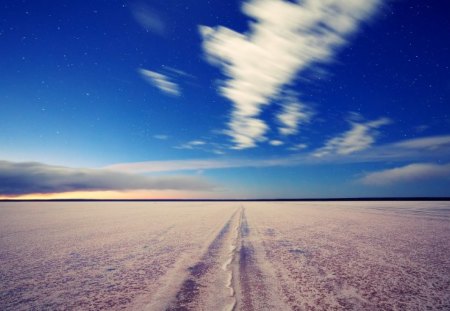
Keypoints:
(432, 142)
(275, 142)
(389, 152)
(161, 136)
(179, 73)
(298, 147)
(194, 144)
(401, 151)
(292, 115)
(199, 164)
(409, 173)
(161, 81)
(361, 136)
(284, 39)
(18, 178)
(149, 19)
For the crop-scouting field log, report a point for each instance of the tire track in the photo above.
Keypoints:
(253, 282)
(250, 284)
(229, 275)
(209, 276)
(231, 261)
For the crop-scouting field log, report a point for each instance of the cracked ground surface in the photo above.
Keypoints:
(225, 256)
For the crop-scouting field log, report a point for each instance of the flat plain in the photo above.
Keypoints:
(225, 255)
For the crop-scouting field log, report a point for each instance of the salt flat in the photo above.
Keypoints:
(225, 256)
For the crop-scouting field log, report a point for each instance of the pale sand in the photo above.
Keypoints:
(225, 256)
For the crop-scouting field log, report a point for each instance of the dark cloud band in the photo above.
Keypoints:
(32, 177)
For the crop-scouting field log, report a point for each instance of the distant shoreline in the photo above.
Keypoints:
(239, 200)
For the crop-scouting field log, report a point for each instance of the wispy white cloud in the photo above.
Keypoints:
(415, 150)
(409, 173)
(392, 152)
(361, 136)
(432, 142)
(203, 145)
(198, 164)
(218, 151)
(284, 39)
(191, 144)
(246, 131)
(275, 142)
(161, 81)
(149, 19)
(179, 72)
(298, 147)
(161, 136)
(292, 115)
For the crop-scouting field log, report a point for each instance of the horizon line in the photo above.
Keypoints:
(239, 200)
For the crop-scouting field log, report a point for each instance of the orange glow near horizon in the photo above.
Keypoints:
(115, 195)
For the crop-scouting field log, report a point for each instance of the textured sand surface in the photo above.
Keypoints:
(225, 256)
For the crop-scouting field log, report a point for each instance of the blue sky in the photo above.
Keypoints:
(259, 98)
